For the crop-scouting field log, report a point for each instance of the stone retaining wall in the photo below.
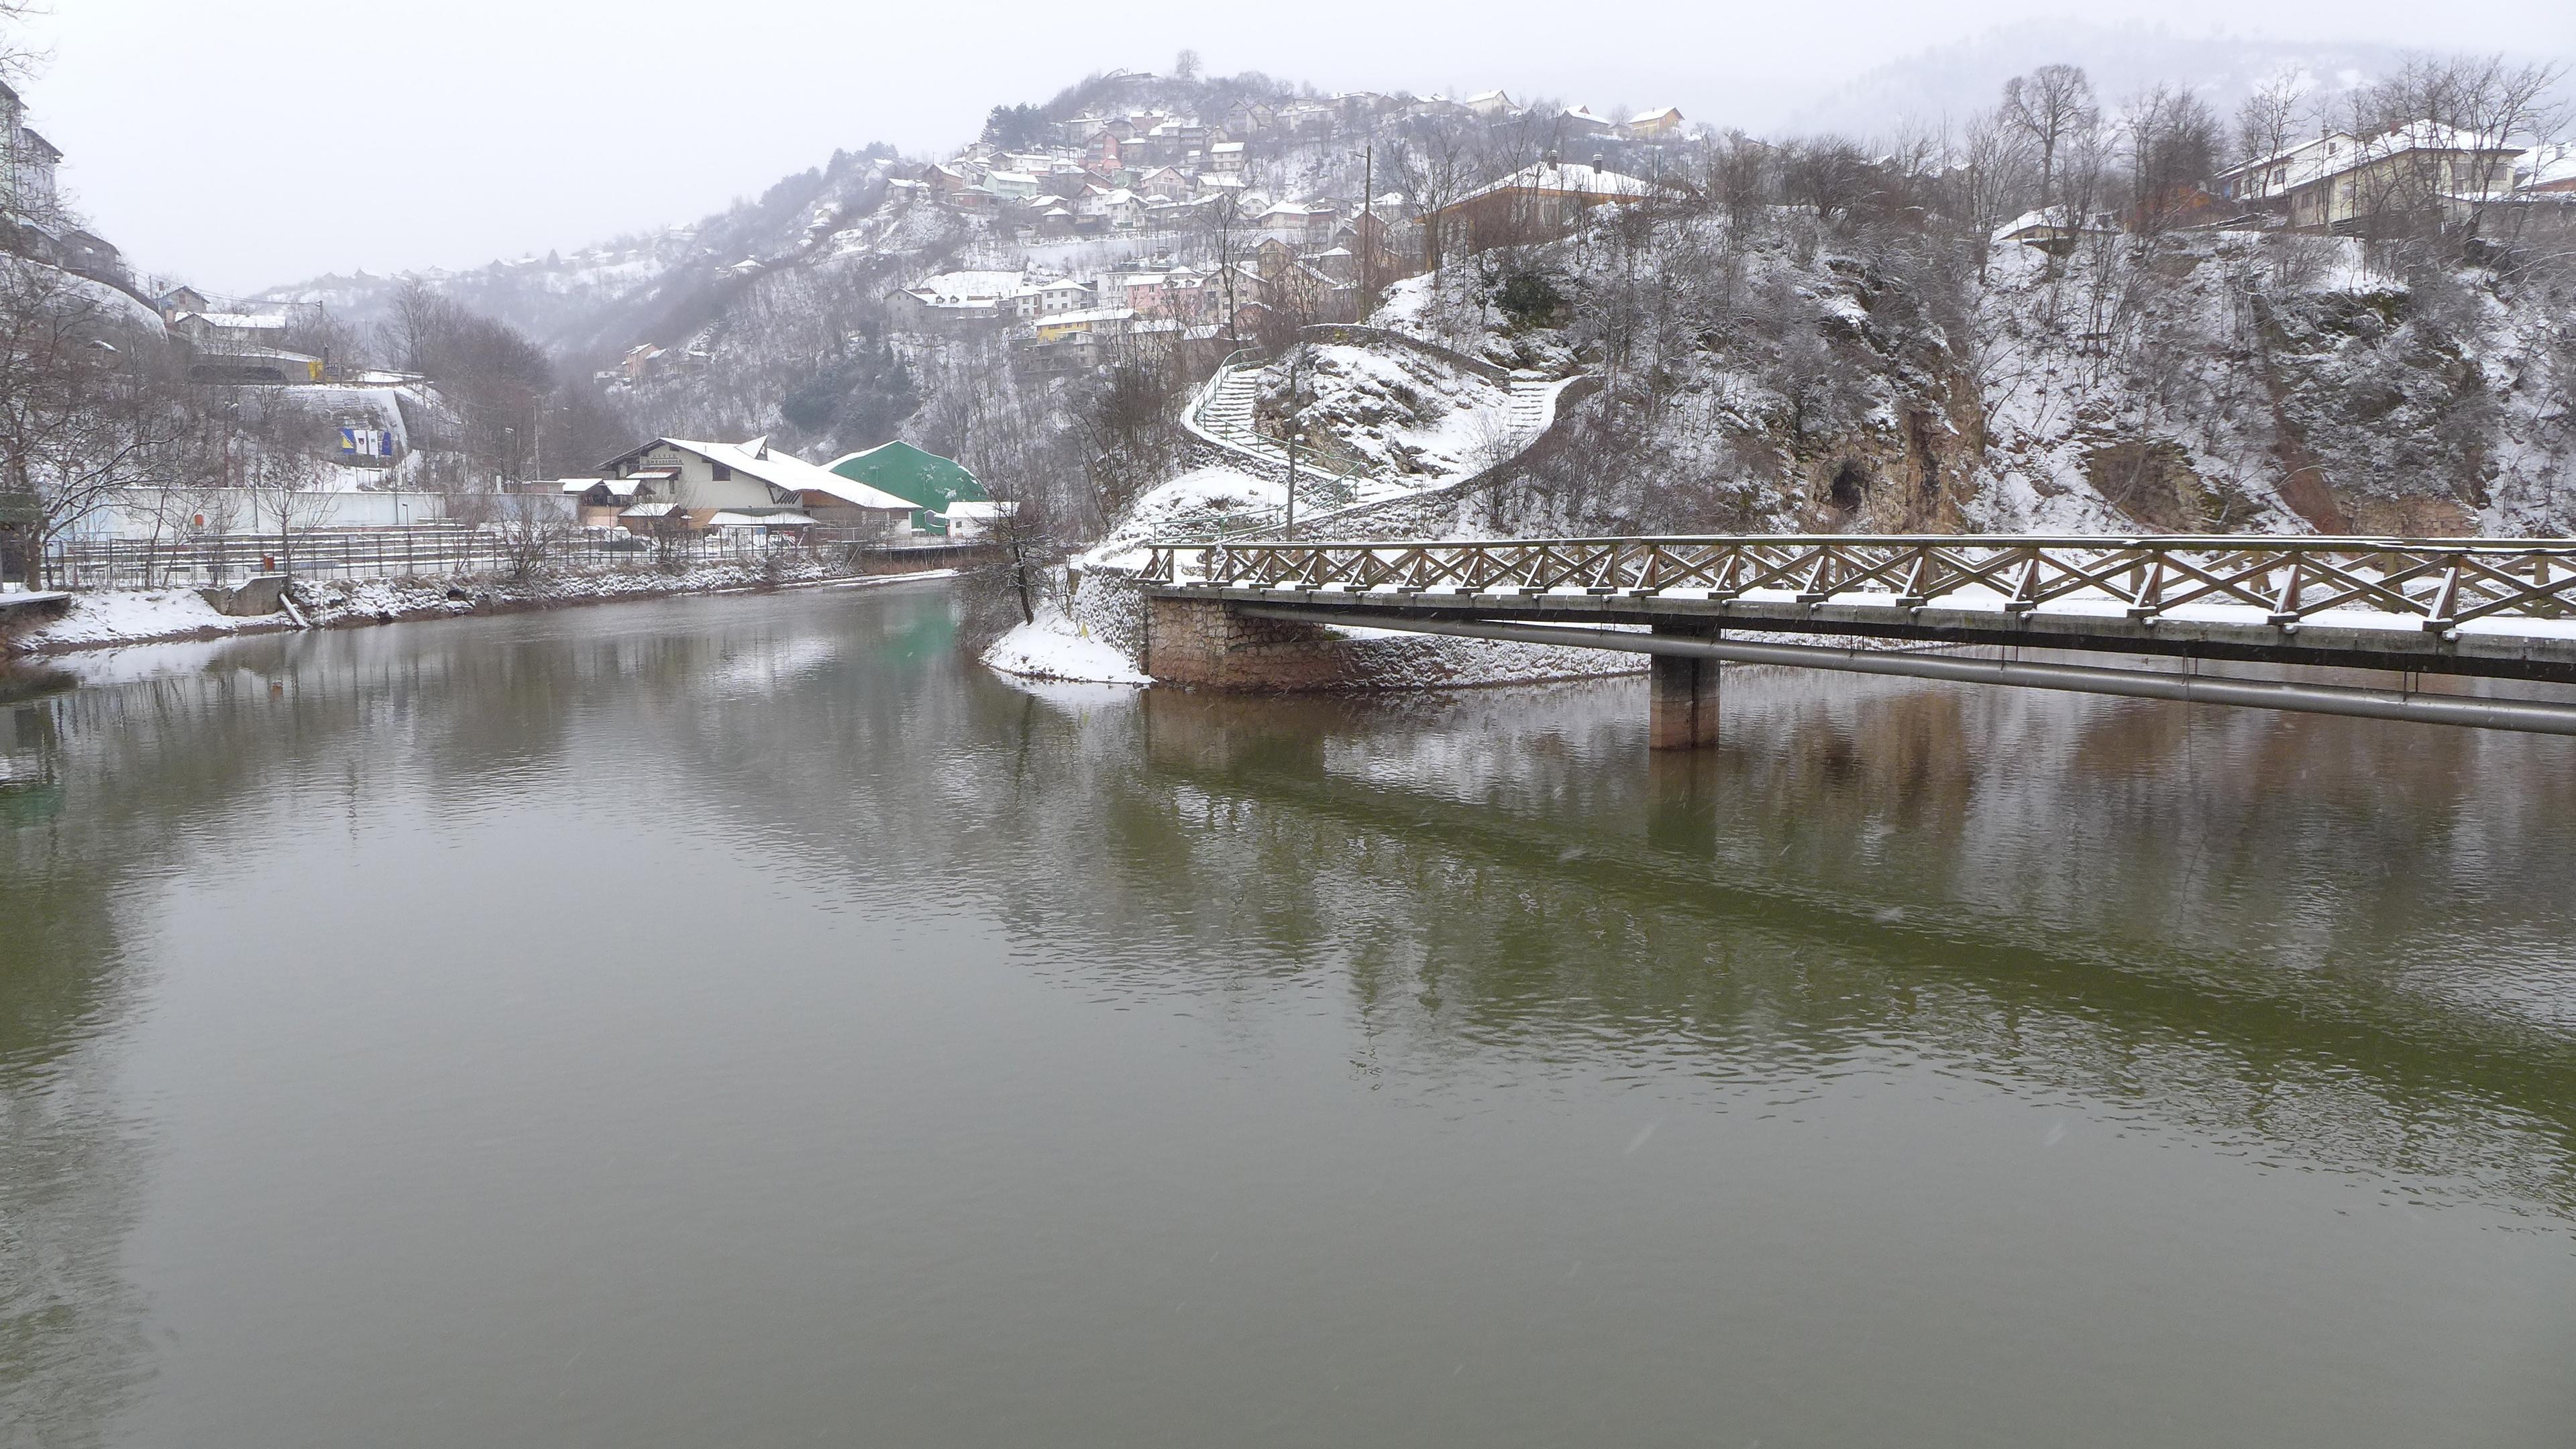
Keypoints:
(1204, 645)
(1355, 334)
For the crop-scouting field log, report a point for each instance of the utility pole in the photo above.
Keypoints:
(1296, 416)
(1360, 232)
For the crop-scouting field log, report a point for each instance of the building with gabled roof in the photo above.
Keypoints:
(2340, 180)
(2548, 170)
(703, 479)
(1534, 204)
(1649, 125)
(1580, 121)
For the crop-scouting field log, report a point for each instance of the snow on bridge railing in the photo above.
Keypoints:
(2438, 583)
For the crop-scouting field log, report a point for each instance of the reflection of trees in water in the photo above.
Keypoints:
(2289, 933)
(70, 1324)
(2326, 939)
(178, 773)
(1853, 876)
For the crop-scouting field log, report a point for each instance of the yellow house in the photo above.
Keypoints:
(1655, 124)
(1083, 323)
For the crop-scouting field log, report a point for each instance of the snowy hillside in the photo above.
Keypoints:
(589, 305)
(2203, 381)
(1791, 334)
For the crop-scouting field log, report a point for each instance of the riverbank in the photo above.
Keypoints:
(113, 618)
(1070, 648)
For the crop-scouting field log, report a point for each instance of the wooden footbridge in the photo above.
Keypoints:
(1261, 615)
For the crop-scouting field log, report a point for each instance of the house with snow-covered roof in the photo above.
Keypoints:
(1580, 121)
(2341, 181)
(1653, 125)
(2548, 170)
(686, 484)
(1534, 204)
(954, 301)
(1249, 118)
(215, 329)
(1167, 182)
(1120, 208)
(2051, 229)
(1086, 321)
(945, 179)
(1300, 223)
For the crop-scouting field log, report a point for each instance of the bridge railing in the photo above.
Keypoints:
(2439, 583)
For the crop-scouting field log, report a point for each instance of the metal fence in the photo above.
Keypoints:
(445, 552)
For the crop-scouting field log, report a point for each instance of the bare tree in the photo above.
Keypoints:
(18, 56)
(531, 530)
(1126, 421)
(1434, 164)
(280, 468)
(498, 381)
(1993, 179)
(1742, 176)
(88, 403)
(2172, 142)
(2269, 117)
(2050, 106)
(1224, 221)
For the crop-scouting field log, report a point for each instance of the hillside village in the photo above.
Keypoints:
(1139, 285)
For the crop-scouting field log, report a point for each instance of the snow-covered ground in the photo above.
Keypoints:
(113, 617)
(1408, 415)
(1198, 504)
(122, 616)
(1055, 647)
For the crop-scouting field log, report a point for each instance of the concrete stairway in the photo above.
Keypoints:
(1224, 411)
(1533, 407)
(1222, 414)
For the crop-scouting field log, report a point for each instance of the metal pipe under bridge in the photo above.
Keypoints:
(1257, 615)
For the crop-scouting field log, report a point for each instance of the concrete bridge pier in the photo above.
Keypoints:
(1681, 713)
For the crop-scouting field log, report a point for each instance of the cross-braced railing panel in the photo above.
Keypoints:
(2441, 583)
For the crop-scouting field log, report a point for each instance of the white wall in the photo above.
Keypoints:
(135, 515)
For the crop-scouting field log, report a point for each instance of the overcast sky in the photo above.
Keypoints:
(243, 143)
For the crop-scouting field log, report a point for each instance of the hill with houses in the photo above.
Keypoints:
(2357, 325)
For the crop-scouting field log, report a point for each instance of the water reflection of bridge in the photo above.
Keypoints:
(1235, 615)
(2125, 904)
(1843, 875)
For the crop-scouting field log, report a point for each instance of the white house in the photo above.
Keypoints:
(690, 484)
(976, 520)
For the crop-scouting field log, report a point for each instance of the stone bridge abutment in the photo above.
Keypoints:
(1203, 644)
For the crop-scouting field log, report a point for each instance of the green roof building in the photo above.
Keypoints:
(924, 479)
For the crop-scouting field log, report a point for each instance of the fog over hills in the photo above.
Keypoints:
(1953, 80)
(1923, 90)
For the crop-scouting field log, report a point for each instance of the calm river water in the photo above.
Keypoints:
(743, 1022)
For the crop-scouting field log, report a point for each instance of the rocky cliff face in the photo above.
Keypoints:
(1768, 375)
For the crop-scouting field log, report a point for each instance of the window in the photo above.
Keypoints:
(724, 473)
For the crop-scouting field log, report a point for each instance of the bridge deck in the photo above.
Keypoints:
(2501, 610)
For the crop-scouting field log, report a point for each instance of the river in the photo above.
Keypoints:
(743, 1021)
